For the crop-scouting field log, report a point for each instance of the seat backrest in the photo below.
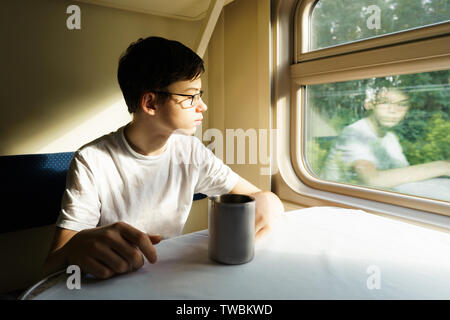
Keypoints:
(31, 189)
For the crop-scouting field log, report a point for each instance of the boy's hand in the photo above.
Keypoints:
(109, 250)
(268, 209)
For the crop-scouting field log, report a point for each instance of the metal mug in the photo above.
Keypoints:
(231, 226)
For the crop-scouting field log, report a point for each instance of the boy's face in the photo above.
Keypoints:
(390, 108)
(177, 114)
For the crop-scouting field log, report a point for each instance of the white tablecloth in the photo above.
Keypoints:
(437, 188)
(313, 253)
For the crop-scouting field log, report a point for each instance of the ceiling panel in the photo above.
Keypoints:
(179, 9)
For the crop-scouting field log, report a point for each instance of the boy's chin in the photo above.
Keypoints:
(186, 132)
(389, 125)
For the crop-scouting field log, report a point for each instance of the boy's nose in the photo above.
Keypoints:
(393, 107)
(201, 106)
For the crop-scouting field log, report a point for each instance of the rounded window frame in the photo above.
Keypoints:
(387, 55)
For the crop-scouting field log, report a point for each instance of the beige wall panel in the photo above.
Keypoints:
(59, 87)
(239, 81)
(215, 70)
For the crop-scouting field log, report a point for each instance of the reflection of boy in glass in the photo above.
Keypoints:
(368, 152)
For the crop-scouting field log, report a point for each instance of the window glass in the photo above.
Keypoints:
(336, 22)
(390, 133)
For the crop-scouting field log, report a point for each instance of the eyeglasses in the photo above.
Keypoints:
(187, 103)
(400, 105)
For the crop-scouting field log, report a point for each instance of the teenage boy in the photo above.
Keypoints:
(370, 152)
(133, 187)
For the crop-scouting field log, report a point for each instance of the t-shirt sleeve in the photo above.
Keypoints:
(215, 177)
(80, 207)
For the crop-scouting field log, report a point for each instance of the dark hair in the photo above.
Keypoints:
(152, 64)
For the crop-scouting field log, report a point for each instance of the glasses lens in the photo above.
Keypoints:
(196, 98)
(186, 103)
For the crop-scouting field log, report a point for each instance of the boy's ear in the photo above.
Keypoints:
(148, 103)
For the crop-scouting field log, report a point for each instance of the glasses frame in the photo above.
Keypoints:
(402, 105)
(192, 96)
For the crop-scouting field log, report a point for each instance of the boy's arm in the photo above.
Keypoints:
(103, 251)
(268, 206)
(367, 171)
(56, 259)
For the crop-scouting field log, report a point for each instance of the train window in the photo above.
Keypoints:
(336, 22)
(388, 132)
(371, 111)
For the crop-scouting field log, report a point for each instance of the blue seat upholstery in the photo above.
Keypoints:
(31, 189)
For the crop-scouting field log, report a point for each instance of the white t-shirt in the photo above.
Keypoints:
(108, 182)
(358, 141)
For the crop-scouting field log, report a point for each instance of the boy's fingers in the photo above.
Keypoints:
(129, 252)
(97, 269)
(140, 239)
(155, 239)
(260, 226)
(262, 232)
(113, 261)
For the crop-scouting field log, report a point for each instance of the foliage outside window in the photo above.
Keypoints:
(335, 22)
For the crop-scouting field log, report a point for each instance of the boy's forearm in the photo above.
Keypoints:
(56, 261)
(414, 173)
(57, 258)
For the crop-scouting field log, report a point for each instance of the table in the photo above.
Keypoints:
(437, 188)
(312, 253)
